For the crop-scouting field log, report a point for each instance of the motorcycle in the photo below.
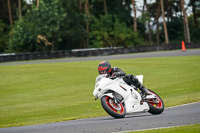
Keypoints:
(119, 99)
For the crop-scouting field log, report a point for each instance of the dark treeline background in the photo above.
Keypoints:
(47, 25)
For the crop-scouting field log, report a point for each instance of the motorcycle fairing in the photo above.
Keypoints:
(131, 97)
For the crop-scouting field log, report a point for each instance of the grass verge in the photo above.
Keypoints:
(182, 129)
(51, 92)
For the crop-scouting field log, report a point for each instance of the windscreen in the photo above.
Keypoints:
(99, 77)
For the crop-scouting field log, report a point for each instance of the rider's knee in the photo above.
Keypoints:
(132, 80)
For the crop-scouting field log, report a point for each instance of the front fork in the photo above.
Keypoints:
(116, 100)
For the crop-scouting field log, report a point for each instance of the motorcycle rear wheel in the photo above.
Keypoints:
(115, 110)
(156, 107)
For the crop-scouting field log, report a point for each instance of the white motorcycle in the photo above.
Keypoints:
(119, 99)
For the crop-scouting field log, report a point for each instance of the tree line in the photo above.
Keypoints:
(48, 25)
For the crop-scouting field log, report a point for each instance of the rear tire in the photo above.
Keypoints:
(156, 108)
(115, 110)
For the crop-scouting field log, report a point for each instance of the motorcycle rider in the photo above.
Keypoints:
(105, 68)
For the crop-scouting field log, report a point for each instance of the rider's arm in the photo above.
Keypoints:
(117, 72)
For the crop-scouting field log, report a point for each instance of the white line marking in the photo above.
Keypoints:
(182, 105)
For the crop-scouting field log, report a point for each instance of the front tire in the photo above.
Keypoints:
(115, 110)
(156, 106)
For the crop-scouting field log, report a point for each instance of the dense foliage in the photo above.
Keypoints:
(70, 24)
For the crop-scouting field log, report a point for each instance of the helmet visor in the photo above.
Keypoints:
(102, 70)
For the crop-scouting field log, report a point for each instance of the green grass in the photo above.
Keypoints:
(182, 129)
(51, 92)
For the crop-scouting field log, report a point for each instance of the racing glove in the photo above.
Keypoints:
(116, 74)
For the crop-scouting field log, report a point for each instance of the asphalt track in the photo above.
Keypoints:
(113, 57)
(175, 116)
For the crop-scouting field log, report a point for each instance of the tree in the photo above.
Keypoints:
(148, 20)
(158, 25)
(20, 10)
(154, 11)
(194, 31)
(10, 13)
(102, 32)
(135, 16)
(164, 23)
(69, 24)
(105, 7)
(185, 22)
(87, 15)
(109, 32)
(124, 36)
(23, 37)
(144, 23)
(195, 10)
(48, 19)
(3, 37)
(38, 1)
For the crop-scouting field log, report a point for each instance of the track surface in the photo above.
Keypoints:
(176, 116)
(181, 115)
(112, 57)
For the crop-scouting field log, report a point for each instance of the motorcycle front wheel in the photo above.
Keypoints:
(156, 106)
(115, 110)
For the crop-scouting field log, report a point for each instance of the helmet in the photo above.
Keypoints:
(104, 67)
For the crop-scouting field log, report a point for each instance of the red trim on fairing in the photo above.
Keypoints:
(123, 88)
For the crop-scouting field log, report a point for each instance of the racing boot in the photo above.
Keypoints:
(135, 82)
(145, 92)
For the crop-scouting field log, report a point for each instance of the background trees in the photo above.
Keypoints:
(164, 23)
(65, 24)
